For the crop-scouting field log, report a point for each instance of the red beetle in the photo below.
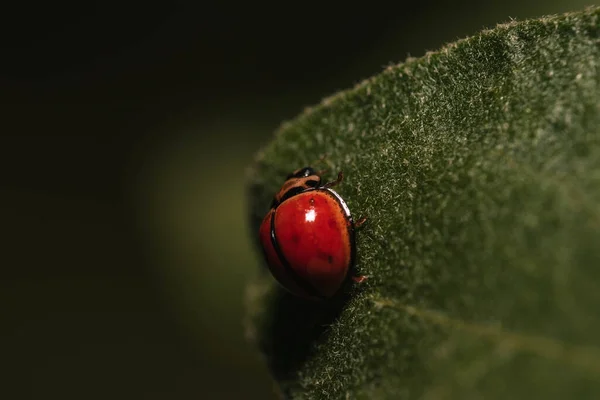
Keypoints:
(308, 236)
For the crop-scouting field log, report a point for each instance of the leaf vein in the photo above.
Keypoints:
(584, 357)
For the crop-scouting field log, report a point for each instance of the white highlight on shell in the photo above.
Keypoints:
(310, 216)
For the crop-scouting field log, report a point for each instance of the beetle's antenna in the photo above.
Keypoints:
(321, 159)
(336, 182)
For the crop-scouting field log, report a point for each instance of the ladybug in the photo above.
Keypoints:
(308, 236)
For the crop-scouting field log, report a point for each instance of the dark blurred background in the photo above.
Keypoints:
(124, 134)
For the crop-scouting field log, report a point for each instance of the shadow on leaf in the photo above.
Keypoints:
(293, 328)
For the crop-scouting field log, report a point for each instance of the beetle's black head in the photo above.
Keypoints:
(295, 183)
(301, 173)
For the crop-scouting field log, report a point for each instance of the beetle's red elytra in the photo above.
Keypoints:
(308, 236)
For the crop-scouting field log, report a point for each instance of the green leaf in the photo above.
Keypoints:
(478, 167)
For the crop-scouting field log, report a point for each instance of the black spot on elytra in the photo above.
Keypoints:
(332, 223)
(295, 238)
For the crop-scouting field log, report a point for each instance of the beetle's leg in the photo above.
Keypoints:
(361, 221)
(336, 182)
(359, 278)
